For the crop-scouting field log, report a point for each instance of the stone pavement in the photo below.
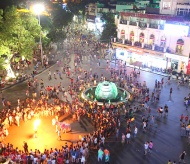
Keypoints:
(168, 143)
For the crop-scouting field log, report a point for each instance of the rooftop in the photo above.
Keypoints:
(154, 16)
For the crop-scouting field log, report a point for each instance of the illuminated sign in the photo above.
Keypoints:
(166, 5)
(177, 57)
(135, 50)
(173, 29)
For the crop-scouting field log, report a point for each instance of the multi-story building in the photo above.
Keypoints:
(153, 40)
(175, 7)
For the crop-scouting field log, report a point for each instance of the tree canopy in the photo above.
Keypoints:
(19, 32)
(109, 27)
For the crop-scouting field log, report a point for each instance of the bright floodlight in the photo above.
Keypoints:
(36, 124)
(38, 8)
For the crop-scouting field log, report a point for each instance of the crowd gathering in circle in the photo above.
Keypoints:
(106, 119)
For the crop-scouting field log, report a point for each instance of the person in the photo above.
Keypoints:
(171, 91)
(145, 148)
(100, 154)
(123, 139)
(150, 146)
(182, 157)
(135, 131)
(83, 159)
(117, 134)
(128, 136)
(59, 134)
(107, 156)
(49, 75)
(169, 162)
(186, 102)
(166, 110)
(25, 146)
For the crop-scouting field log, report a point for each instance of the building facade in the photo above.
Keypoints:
(152, 40)
(175, 7)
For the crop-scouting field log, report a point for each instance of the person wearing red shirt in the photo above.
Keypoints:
(186, 118)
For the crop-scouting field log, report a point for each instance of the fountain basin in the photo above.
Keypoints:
(106, 92)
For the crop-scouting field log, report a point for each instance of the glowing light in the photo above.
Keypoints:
(106, 90)
(178, 30)
(36, 124)
(38, 8)
(10, 73)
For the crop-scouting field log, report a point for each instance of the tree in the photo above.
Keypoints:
(61, 17)
(77, 7)
(19, 33)
(56, 35)
(109, 27)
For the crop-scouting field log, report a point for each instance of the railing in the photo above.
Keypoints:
(142, 24)
(132, 23)
(155, 26)
(159, 48)
(123, 21)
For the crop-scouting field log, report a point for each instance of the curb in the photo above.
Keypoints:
(26, 78)
(131, 66)
(43, 70)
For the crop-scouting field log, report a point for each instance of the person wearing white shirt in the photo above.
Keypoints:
(128, 136)
(145, 148)
(83, 159)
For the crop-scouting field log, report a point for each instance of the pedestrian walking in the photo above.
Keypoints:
(145, 148)
(150, 146)
(135, 131)
(49, 75)
(128, 136)
(123, 139)
(100, 154)
(171, 91)
(54, 74)
(166, 110)
(59, 134)
(182, 157)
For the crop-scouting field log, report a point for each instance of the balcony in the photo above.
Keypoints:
(159, 48)
(143, 24)
(133, 23)
(123, 21)
(138, 44)
(155, 26)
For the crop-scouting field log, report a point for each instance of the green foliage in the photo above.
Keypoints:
(77, 7)
(56, 35)
(46, 42)
(109, 27)
(108, 17)
(1, 63)
(61, 17)
(46, 23)
(19, 32)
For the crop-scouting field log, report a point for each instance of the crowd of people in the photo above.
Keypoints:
(44, 100)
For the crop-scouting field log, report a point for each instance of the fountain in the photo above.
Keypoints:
(106, 92)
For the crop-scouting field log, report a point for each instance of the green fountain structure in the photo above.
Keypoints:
(106, 92)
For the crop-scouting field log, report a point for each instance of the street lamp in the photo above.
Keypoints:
(38, 9)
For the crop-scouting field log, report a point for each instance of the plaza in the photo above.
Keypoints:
(167, 139)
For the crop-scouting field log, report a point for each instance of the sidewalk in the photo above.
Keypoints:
(146, 69)
(29, 71)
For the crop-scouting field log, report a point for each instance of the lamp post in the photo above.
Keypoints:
(38, 9)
